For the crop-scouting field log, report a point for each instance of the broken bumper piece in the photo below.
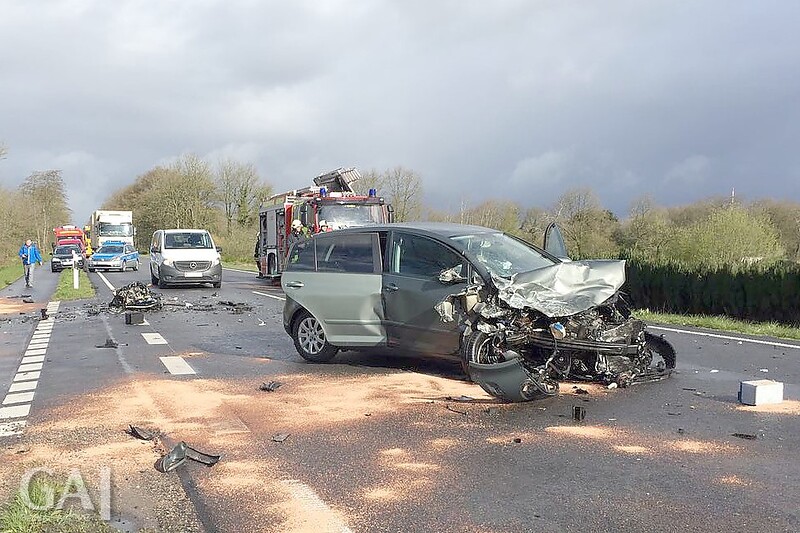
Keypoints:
(178, 455)
(510, 381)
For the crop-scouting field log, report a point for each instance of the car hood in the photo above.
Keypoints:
(105, 257)
(563, 289)
(191, 254)
(64, 256)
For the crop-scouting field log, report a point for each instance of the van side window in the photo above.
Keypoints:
(301, 257)
(350, 252)
(420, 257)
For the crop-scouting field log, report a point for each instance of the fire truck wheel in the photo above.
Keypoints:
(309, 339)
(271, 267)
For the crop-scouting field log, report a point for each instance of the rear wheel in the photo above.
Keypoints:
(309, 339)
(272, 267)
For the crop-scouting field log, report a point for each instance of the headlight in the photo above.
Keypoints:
(168, 262)
(214, 262)
(56, 260)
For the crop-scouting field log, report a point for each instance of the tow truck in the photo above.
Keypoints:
(330, 204)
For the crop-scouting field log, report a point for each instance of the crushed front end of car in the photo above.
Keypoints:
(524, 334)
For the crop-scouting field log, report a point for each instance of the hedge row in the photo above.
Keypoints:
(757, 293)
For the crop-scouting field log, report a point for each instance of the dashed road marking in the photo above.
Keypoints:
(177, 366)
(269, 295)
(154, 338)
(35, 351)
(30, 367)
(18, 397)
(15, 411)
(23, 386)
(27, 376)
(309, 499)
(9, 429)
(33, 359)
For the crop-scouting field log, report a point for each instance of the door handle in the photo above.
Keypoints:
(294, 284)
(391, 287)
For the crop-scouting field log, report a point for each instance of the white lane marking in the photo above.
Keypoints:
(240, 270)
(44, 328)
(9, 429)
(269, 295)
(726, 337)
(41, 337)
(15, 411)
(35, 351)
(307, 497)
(32, 359)
(109, 285)
(177, 366)
(30, 367)
(154, 338)
(19, 397)
(38, 345)
(27, 376)
(23, 386)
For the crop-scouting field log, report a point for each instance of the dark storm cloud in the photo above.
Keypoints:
(675, 100)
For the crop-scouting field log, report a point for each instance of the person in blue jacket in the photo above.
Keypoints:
(30, 255)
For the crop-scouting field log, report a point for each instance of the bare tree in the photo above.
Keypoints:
(403, 189)
(45, 198)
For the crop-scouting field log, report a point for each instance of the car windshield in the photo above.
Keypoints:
(188, 240)
(116, 230)
(110, 249)
(342, 216)
(503, 255)
(66, 250)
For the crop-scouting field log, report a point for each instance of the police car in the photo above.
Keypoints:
(114, 255)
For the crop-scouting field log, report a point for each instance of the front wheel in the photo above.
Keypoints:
(136, 265)
(153, 279)
(309, 339)
(124, 266)
(478, 349)
(659, 348)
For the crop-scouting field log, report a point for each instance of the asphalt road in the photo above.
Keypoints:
(374, 443)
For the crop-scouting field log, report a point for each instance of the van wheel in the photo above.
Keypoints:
(309, 339)
(153, 279)
(217, 285)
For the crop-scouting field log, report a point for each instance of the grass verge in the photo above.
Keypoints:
(10, 273)
(240, 265)
(722, 323)
(17, 516)
(64, 290)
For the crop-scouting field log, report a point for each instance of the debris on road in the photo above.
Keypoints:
(579, 390)
(45, 316)
(110, 343)
(578, 413)
(746, 436)
(178, 455)
(280, 437)
(236, 307)
(134, 296)
(760, 392)
(714, 371)
(27, 301)
(271, 386)
(134, 318)
(455, 410)
(461, 399)
(141, 434)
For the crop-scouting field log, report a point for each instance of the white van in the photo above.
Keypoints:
(184, 256)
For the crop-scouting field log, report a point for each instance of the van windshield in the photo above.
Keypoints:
(188, 239)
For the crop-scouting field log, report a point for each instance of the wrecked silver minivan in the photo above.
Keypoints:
(519, 318)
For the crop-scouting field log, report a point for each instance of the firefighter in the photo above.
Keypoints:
(299, 233)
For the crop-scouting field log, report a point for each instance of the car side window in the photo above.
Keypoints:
(301, 257)
(349, 252)
(421, 257)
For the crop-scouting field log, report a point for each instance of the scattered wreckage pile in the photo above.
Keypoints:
(567, 321)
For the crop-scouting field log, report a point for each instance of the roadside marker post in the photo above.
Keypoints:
(75, 279)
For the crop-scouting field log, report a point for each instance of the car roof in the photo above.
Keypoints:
(186, 230)
(441, 229)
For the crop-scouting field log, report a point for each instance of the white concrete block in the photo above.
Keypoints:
(760, 392)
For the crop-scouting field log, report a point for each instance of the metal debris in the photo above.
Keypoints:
(746, 436)
(27, 301)
(455, 410)
(45, 316)
(462, 399)
(578, 413)
(271, 386)
(280, 437)
(140, 433)
(110, 343)
(178, 455)
(134, 296)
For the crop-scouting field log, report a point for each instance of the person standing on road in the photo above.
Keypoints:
(30, 255)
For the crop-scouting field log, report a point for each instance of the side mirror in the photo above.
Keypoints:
(219, 249)
(554, 242)
(452, 275)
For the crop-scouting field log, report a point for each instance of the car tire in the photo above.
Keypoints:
(162, 284)
(309, 339)
(217, 285)
(272, 268)
(472, 350)
(124, 266)
(659, 347)
(153, 279)
(91, 270)
(136, 265)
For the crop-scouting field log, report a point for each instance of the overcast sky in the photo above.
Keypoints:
(514, 99)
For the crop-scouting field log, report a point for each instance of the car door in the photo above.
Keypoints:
(155, 253)
(411, 289)
(337, 278)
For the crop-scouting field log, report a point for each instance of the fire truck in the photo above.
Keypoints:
(330, 204)
(69, 234)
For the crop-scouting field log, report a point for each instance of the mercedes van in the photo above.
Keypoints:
(183, 257)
